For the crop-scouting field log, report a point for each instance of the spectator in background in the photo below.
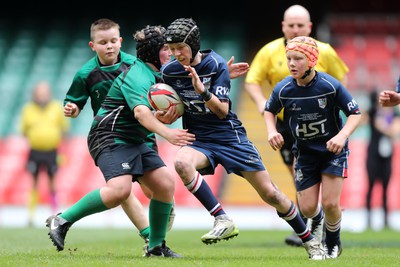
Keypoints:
(44, 125)
(269, 67)
(383, 124)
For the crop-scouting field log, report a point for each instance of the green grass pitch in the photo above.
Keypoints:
(123, 247)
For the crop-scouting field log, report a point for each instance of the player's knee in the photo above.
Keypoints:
(120, 194)
(308, 210)
(273, 196)
(182, 166)
(330, 206)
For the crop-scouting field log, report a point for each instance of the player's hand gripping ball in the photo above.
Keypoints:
(161, 96)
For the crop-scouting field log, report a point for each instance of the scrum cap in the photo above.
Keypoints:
(184, 30)
(149, 42)
(305, 45)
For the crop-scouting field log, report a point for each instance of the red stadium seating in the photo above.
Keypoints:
(78, 175)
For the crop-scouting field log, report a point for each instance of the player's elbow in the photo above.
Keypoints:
(221, 113)
(140, 112)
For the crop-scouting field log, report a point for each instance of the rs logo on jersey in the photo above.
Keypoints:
(307, 130)
(221, 90)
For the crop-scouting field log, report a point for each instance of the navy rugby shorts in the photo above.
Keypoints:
(235, 158)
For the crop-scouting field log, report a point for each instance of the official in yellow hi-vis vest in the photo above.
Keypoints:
(44, 125)
(269, 67)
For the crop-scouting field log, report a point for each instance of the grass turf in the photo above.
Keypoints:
(123, 247)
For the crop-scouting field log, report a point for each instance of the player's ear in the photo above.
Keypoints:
(310, 24)
(91, 44)
(121, 39)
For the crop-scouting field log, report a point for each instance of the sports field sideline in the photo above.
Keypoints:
(246, 217)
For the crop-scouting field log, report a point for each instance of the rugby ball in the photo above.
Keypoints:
(161, 96)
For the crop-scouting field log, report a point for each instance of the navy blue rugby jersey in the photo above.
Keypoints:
(197, 118)
(312, 112)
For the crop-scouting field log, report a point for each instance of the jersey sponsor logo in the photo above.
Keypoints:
(352, 104)
(178, 84)
(206, 80)
(222, 90)
(307, 130)
(294, 107)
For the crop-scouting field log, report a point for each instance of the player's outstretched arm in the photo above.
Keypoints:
(237, 69)
(389, 98)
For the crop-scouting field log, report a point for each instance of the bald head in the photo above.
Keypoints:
(42, 93)
(296, 22)
(296, 11)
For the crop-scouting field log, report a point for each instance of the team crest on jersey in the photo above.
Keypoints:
(322, 102)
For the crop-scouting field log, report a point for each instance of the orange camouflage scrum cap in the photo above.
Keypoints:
(306, 45)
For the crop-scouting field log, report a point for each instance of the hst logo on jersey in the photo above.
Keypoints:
(307, 130)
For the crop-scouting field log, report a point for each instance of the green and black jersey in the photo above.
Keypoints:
(94, 80)
(115, 122)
